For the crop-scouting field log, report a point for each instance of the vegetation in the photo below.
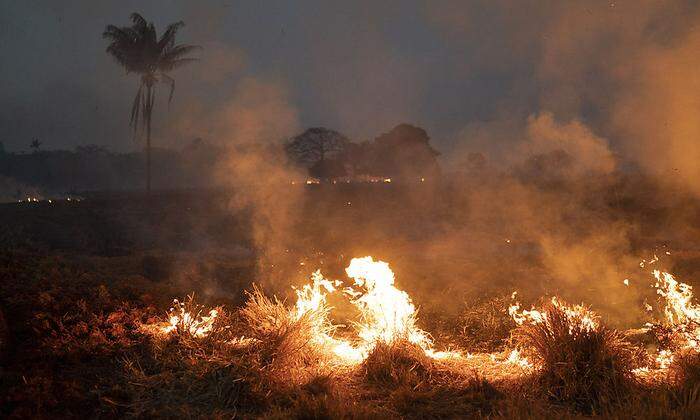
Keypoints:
(138, 49)
(80, 280)
(581, 362)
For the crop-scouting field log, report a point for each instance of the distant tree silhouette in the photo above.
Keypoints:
(139, 50)
(359, 158)
(404, 152)
(319, 149)
(35, 144)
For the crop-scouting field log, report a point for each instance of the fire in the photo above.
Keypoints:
(681, 317)
(312, 297)
(516, 359)
(387, 312)
(183, 321)
(664, 359)
(679, 309)
(583, 316)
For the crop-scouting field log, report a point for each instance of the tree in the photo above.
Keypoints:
(404, 152)
(319, 150)
(35, 144)
(139, 50)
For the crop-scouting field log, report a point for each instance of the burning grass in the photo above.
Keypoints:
(578, 360)
(685, 370)
(397, 363)
(284, 341)
(276, 359)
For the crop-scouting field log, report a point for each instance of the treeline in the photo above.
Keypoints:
(404, 152)
(89, 168)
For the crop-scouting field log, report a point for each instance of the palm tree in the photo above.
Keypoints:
(35, 144)
(139, 50)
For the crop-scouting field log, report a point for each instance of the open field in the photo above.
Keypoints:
(81, 279)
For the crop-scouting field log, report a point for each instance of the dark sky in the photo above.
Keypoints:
(473, 73)
(354, 66)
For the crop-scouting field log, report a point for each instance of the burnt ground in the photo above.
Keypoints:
(77, 278)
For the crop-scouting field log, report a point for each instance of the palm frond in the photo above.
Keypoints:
(138, 20)
(167, 40)
(151, 37)
(119, 35)
(178, 51)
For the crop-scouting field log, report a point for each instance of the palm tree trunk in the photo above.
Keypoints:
(149, 107)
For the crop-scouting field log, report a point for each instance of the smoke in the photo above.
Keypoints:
(539, 107)
(658, 113)
(251, 126)
(545, 135)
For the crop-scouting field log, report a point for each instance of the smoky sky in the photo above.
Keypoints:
(355, 66)
(470, 72)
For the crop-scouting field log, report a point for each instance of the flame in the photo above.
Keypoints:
(312, 297)
(682, 316)
(679, 309)
(579, 313)
(386, 313)
(516, 359)
(664, 359)
(183, 321)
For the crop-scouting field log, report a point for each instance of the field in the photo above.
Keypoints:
(86, 286)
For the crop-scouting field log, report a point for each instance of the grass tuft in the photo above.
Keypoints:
(397, 363)
(685, 369)
(579, 364)
(285, 343)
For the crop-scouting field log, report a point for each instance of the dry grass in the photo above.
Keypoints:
(485, 324)
(685, 370)
(285, 342)
(79, 352)
(586, 367)
(397, 363)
